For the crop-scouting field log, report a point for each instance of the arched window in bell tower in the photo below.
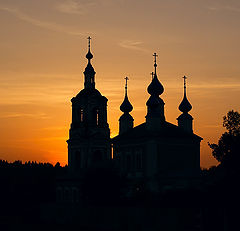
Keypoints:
(97, 117)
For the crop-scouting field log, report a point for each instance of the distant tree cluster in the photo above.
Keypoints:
(19, 163)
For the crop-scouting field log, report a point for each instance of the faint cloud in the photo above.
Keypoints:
(224, 8)
(133, 45)
(43, 24)
(28, 115)
(216, 86)
(74, 7)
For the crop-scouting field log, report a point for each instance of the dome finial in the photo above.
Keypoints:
(155, 63)
(184, 82)
(126, 78)
(89, 55)
(89, 42)
(185, 106)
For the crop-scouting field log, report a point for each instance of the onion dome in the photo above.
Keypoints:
(89, 55)
(126, 106)
(155, 87)
(185, 105)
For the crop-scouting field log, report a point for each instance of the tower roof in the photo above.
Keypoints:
(185, 105)
(89, 55)
(126, 106)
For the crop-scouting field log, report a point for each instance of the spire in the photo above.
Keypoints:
(155, 87)
(126, 106)
(185, 106)
(89, 72)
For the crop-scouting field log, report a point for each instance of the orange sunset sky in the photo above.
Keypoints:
(42, 56)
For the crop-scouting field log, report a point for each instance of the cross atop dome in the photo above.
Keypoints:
(89, 40)
(155, 62)
(126, 78)
(184, 80)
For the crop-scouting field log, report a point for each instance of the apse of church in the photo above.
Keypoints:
(89, 135)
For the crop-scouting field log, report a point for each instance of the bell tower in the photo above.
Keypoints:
(89, 135)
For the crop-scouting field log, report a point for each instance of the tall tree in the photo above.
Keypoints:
(227, 150)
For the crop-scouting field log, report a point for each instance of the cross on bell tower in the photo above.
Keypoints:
(89, 40)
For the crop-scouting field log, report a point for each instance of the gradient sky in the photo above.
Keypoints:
(42, 57)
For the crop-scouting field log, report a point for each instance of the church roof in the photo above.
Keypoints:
(86, 94)
(168, 131)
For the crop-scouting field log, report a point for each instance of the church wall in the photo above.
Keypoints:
(179, 157)
(130, 159)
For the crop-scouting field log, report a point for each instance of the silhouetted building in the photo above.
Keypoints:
(155, 155)
(89, 136)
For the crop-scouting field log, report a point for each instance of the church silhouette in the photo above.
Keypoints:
(156, 153)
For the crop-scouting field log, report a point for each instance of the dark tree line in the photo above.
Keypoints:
(27, 185)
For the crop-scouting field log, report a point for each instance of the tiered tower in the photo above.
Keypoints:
(89, 136)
